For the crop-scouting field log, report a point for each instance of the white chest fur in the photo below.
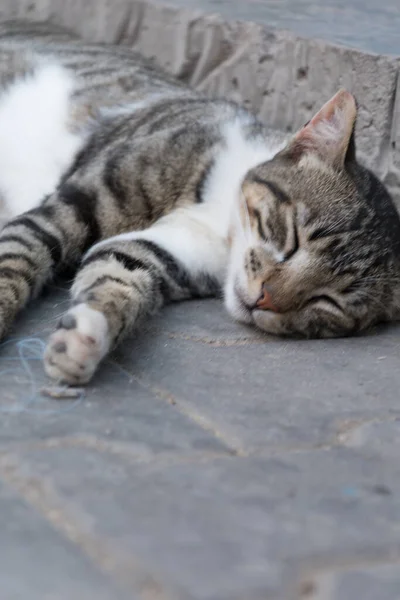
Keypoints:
(36, 145)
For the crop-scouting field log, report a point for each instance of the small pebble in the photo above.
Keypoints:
(62, 392)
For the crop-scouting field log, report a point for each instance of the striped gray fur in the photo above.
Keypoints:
(136, 166)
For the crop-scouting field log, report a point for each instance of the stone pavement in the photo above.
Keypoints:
(369, 25)
(205, 462)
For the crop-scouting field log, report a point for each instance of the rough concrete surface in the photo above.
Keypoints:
(207, 461)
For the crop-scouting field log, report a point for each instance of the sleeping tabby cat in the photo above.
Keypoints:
(161, 194)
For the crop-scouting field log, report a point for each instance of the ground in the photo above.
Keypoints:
(205, 461)
(369, 25)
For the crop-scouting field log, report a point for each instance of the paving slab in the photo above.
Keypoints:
(115, 409)
(345, 22)
(368, 583)
(261, 392)
(229, 528)
(39, 564)
(213, 462)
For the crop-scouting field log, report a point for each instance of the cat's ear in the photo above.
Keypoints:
(330, 133)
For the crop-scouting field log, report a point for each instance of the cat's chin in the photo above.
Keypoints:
(267, 320)
(236, 306)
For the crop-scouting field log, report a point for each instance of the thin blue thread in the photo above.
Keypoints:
(30, 349)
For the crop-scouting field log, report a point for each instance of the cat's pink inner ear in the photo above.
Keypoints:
(329, 131)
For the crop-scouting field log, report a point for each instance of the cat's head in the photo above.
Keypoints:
(315, 249)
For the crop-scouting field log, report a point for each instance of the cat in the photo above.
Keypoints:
(156, 193)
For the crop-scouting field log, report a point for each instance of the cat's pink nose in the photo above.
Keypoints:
(265, 301)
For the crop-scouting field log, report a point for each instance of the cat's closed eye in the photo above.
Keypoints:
(295, 247)
(260, 228)
(327, 299)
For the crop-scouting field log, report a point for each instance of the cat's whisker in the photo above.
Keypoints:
(379, 279)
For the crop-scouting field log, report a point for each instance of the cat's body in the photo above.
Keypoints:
(200, 195)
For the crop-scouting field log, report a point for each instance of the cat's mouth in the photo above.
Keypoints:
(244, 307)
(264, 302)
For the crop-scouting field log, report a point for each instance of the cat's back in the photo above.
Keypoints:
(51, 85)
(149, 137)
(104, 74)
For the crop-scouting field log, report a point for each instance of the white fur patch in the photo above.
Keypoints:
(72, 355)
(196, 235)
(331, 130)
(36, 146)
(222, 192)
(188, 239)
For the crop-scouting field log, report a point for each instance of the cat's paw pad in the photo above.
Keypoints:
(76, 348)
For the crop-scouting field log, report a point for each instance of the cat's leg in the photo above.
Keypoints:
(35, 244)
(128, 278)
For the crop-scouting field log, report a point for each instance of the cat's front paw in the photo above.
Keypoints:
(76, 348)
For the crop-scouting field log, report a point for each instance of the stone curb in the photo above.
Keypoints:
(283, 77)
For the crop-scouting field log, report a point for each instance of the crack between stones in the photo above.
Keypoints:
(384, 157)
(347, 427)
(349, 562)
(215, 342)
(123, 27)
(233, 446)
(118, 449)
(165, 459)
